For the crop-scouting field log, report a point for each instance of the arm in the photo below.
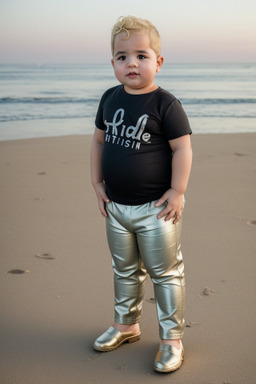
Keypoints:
(96, 172)
(181, 166)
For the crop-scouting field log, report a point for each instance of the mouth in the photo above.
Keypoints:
(132, 75)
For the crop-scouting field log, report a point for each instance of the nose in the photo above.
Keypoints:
(132, 62)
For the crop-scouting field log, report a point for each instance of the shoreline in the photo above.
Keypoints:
(51, 231)
(22, 130)
(91, 134)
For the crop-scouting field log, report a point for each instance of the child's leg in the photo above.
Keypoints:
(129, 272)
(161, 252)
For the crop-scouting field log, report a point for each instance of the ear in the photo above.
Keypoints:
(112, 62)
(159, 63)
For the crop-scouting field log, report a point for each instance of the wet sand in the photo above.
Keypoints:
(56, 278)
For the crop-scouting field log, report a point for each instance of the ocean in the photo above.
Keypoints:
(62, 99)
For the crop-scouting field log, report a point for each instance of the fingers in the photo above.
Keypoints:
(102, 208)
(172, 202)
(102, 205)
(177, 216)
(165, 212)
(174, 215)
(102, 198)
(170, 213)
(161, 201)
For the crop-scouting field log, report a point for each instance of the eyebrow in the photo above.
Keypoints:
(124, 52)
(120, 53)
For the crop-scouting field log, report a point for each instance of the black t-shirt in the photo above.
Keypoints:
(136, 160)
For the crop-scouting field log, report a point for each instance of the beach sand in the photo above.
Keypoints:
(51, 231)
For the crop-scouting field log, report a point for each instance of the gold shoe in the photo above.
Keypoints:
(168, 358)
(113, 338)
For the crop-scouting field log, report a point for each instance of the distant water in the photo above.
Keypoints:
(54, 100)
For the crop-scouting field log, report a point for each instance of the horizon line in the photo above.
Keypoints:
(108, 63)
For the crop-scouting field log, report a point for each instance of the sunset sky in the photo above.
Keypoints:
(78, 31)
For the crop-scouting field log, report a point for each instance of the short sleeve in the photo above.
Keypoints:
(99, 121)
(175, 121)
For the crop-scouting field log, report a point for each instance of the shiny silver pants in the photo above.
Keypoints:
(141, 244)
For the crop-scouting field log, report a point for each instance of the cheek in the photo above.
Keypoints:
(118, 71)
(150, 71)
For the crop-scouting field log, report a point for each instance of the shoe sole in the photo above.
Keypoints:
(131, 339)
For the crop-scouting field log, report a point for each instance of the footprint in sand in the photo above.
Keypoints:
(93, 357)
(207, 291)
(151, 300)
(251, 222)
(47, 256)
(17, 271)
(191, 324)
(122, 367)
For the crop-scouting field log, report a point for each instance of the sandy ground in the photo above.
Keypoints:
(51, 230)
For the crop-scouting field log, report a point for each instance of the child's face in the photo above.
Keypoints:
(135, 63)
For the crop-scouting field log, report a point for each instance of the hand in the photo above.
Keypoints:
(174, 207)
(102, 198)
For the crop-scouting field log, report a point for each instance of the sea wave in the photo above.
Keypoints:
(211, 101)
(67, 107)
(63, 116)
(47, 100)
(72, 100)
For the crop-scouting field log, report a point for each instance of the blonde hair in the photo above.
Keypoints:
(134, 24)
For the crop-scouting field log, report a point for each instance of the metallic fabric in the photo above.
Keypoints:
(112, 339)
(141, 244)
(168, 358)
